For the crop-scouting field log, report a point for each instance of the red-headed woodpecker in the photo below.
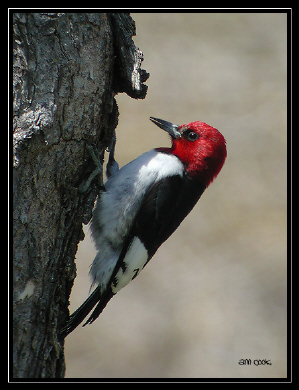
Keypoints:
(143, 204)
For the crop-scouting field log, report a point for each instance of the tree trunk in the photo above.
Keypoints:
(67, 68)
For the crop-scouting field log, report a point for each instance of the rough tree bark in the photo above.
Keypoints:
(67, 68)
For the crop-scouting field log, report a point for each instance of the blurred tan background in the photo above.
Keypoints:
(215, 292)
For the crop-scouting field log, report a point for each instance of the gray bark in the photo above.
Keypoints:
(67, 68)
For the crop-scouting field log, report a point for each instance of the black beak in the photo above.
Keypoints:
(171, 129)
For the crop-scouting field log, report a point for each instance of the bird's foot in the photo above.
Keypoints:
(98, 171)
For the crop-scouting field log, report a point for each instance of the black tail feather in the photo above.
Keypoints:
(78, 316)
(100, 306)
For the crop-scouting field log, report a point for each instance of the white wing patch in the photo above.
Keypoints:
(133, 263)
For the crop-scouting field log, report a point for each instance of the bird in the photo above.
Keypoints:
(142, 204)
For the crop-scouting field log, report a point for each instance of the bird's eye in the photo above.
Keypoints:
(190, 135)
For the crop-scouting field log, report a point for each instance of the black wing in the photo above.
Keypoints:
(165, 205)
